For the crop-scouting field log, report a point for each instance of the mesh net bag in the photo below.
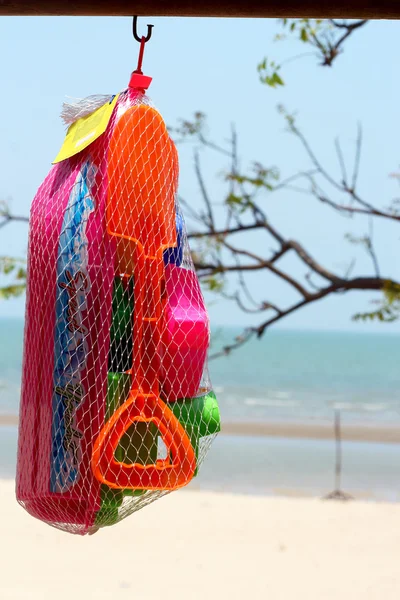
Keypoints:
(116, 407)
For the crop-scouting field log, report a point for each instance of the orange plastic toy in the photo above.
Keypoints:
(142, 182)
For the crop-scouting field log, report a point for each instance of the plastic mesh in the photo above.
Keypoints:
(116, 407)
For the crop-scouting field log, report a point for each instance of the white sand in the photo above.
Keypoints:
(193, 545)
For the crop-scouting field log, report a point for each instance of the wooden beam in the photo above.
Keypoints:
(366, 9)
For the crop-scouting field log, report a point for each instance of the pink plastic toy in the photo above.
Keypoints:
(185, 338)
(68, 315)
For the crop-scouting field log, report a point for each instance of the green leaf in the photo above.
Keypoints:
(233, 200)
(277, 79)
(8, 264)
(389, 310)
(21, 274)
(304, 35)
(4, 210)
(11, 291)
(213, 283)
(8, 267)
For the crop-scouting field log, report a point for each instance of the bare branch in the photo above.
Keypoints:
(246, 291)
(204, 193)
(342, 187)
(357, 158)
(320, 169)
(310, 282)
(239, 341)
(334, 49)
(195, 216)
(264, 306)
(346, 25)
(213, 146)
(341, 161)
(244, 253)
(303, 174)
(349, 30)
(222, 233)
(267, 265)
(8, 218)
(207, 269)
(371, 249)
(277, 255)
(341, 286)
(273, 231)
(350, 268)
(355, 210)
(308, 260)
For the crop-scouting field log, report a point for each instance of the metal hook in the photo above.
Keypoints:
(134, 31)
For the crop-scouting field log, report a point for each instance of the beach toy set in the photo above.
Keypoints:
(116, 405)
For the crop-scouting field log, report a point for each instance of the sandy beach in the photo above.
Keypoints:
(351, 432)
(195, 545)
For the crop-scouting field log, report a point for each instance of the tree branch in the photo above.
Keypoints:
(271, 267)
(355, 210)
(224, 232)
(357, 157)
(309, 261)
(342, 286)
(204, 193)
(349, 30)
(8, 218)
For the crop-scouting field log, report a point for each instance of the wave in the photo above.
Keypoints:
(270, 402)
(361, 406)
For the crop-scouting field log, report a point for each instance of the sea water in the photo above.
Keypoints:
(285, 376)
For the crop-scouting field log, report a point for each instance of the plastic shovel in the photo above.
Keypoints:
(142, 181)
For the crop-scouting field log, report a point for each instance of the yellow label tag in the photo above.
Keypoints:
(85, 131)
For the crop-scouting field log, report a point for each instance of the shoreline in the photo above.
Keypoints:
(383, 434)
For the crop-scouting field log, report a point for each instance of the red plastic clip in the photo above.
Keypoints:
(139, 81)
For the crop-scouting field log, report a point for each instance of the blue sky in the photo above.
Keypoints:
(210, 65)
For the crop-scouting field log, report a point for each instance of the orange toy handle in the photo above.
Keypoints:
(148, 276)
(165, 474)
